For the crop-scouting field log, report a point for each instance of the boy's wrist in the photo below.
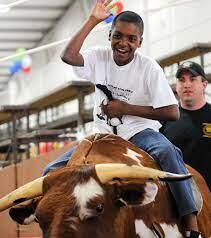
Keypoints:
(127, 109)
(94, 20)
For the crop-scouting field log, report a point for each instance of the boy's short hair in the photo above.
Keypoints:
(131, 17)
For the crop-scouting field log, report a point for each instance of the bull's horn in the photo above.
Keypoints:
(24, 193)
(108, 172)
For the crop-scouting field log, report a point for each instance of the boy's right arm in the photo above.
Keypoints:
(71, 54)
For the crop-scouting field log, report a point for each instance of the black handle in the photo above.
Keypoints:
(105, 90)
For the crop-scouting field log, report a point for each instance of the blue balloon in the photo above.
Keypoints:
(18, 65)
(12, 69)
(109, 19)
(15, 67)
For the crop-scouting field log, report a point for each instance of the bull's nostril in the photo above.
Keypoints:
(100, 208)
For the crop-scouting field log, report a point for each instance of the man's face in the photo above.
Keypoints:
(190, 89)
(125, 39)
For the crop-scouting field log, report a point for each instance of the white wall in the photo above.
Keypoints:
(176, 27)
(169, 26)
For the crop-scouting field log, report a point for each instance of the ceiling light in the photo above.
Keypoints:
(4, 8)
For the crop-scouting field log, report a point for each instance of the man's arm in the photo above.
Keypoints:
(117, 108)
(71, 55)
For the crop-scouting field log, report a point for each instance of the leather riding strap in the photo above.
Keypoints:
(108, 94)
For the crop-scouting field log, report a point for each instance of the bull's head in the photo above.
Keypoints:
(87, 200)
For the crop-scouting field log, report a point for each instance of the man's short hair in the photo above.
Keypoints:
(131, 17)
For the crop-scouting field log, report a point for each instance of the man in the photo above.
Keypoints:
(141, 96)
(192, 132)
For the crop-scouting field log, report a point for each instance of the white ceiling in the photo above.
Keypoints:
(25, 25)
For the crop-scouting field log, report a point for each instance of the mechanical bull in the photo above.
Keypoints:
(109, 189)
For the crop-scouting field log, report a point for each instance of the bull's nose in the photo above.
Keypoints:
(100, 208)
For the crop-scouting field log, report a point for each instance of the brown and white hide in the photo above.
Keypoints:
(75, 204)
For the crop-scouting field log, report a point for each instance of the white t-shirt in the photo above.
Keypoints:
(141, 82)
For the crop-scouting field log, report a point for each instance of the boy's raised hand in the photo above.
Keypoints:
(102, 9)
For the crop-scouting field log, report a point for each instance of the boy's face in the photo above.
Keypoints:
(125, 39)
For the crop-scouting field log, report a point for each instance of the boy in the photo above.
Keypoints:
(141, 95)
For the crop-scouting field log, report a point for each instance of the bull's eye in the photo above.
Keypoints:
(100, 208)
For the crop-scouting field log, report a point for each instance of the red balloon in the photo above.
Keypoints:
(120, 7)
(26, 70)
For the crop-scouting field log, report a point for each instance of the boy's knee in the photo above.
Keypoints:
(166, 153)
(165, 149)
(46, 170)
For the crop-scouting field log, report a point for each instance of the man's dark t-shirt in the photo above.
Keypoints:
(192, 134)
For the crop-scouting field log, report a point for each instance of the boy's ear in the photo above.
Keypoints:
(140, 41)
(109, 36)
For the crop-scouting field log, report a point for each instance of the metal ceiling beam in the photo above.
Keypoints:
(3, 88)
(34, 14)
(4, 53)
(26, 24)
(36, 18)
(15, 47)
(4, 69)
(42, 8)
(3, 82)
(26, 30)
(4, 73)
(4, 64)
(20, 35)
(23, 40)
(42, 3)
(17, 33)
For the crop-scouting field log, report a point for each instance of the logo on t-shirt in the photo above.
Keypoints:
(206, 130)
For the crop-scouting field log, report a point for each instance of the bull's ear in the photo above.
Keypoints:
(137, 194)
(24, 213)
